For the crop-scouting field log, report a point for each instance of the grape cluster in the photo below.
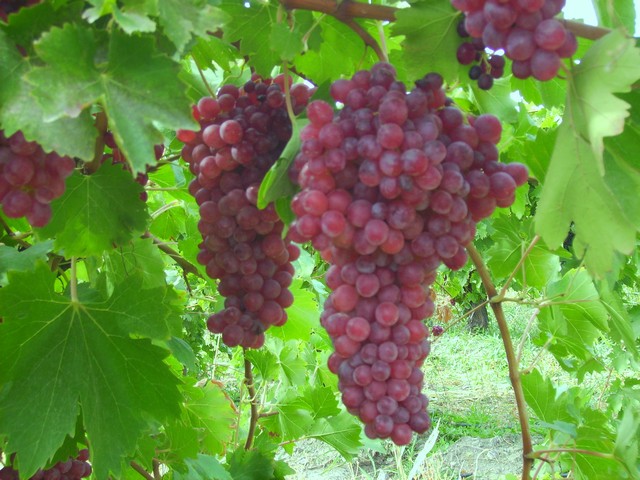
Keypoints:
(30, 179)
(7, 7)
(116, 156)
(391, 187)
(72, 469)
(243, 132)
(526, 30)
(485, 67)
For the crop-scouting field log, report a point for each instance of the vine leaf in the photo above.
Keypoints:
(430, 40)
(610, 66)
(97, 212)
(62, 358)
(67, 136)
(579, 185)
(326, 62)
(251, 26)
(181, 20)
(138, 88)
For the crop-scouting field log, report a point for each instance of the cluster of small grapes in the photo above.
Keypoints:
(243, 132)
(72, 469)
(7, 7)
(526, 30)
(485, 67)
(391, 186)
(30, 179)
(117, 157)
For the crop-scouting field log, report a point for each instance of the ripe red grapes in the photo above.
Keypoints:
(392, 186)
(30, 179)
(243, 132)
(71, 469)
(525, 30)
(13, 6)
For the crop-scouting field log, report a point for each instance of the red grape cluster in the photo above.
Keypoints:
(7, 7)
(72, 469)
(117, 157)
(485, 67)
(391, 186)
(30, 179)
(526, 30)
(243, 132)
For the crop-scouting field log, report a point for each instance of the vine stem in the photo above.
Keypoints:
(73, 281)
(251, 389)
(353, 9)
(186, 265)
(514, 372)
(140, 469)
(102, 125)
(577, 451)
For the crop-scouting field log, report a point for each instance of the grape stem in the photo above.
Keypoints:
(138, 468)
(251, 389)
(73, 281)
(514, 372)
(98, 152)
(182, 262)
(352, 9)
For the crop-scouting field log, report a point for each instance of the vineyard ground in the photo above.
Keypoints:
(467, 382)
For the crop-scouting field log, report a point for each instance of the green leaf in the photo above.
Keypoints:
(61, 358)
(321, 401)
(69, 136)
(285, 42)
(616, 13)
(610, 66)
(251, 26)
(342, 432)
(326, 63)
(539, 267)
(303, 316)
(572, 177)
(497, 100)
(431, 39)
(74, 78)
(15, 260)
(276, 183)
(97, 212)
(249, 465)
(139, 257)
(213, 49)
(580, 299)
(212, 414)
(183, 352)
(204, 467)
(548, 404)
(183, 19)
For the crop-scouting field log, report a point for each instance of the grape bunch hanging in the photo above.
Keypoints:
(392, 185)
(243, 132)
(525, 30)
(30, 179)
(71, 469)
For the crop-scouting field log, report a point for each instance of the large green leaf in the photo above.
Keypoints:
(67, 136)
(12, 259)
(138, 88)
(303, 316)
(250, 25)
(342, 432)
(139, 257)
(326, 63)
(576, 170)
(431, 39)
(61, 358)
(97, 212)
(183, 19)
